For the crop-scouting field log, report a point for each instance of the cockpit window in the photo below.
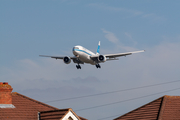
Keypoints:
(75, 48)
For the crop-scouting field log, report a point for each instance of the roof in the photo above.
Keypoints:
(60, 114)
(163, 108)
(170, 108)
(25, 108)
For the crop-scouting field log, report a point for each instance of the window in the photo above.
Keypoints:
(70, 118)
(75, 48)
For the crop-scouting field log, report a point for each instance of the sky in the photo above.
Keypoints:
(30, 28)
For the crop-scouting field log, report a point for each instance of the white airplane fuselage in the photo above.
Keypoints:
(83, 54)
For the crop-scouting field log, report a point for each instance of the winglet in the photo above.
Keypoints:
(98, 48)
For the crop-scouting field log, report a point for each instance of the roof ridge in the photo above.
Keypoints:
(65, 109)
(82, 118)
(68, 110)
(74, 114)
(169, 96)
(138, 108)
(163, 106)
(16, 93)
(65, 113)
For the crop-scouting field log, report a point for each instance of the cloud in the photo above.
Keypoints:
(49, 79)
(153, 17)
(116, 9)
(110, 36)
(129, 12)
(130, 38)
(119, 46)
(88, 80)
(158, 62)
(128, 35)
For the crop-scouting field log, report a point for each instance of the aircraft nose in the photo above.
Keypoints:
(74, 52)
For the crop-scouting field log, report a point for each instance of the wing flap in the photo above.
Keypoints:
(57, 57)
(112, 56)
(112, 59)
(121, 54)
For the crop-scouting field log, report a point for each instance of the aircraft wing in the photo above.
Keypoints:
(74, 58)
(57, 57)
(121, 54)
(114, 56)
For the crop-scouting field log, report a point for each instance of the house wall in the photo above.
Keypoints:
(72, 116)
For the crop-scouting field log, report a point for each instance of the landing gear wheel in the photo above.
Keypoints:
(78, 66)
(98, 66)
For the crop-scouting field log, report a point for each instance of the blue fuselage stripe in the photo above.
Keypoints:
(82, 51)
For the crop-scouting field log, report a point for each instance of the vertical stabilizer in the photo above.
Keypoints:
(98, 48)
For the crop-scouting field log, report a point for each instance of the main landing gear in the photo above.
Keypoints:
(78, 66)
(98, 66)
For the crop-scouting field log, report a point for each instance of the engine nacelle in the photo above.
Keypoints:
(67, 60)
(102, 58)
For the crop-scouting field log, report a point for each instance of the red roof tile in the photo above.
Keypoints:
(54, 114)
(57, 114)
(170, 108)
(25, 108)
(148, 111)
(164, 108)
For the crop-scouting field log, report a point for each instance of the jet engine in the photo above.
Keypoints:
(67, 60)
(101, 58)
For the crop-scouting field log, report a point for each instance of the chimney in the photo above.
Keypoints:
(5, 95)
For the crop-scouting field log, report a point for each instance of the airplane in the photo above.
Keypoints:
(83, 55)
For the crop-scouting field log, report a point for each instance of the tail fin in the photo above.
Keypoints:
(97, 53)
